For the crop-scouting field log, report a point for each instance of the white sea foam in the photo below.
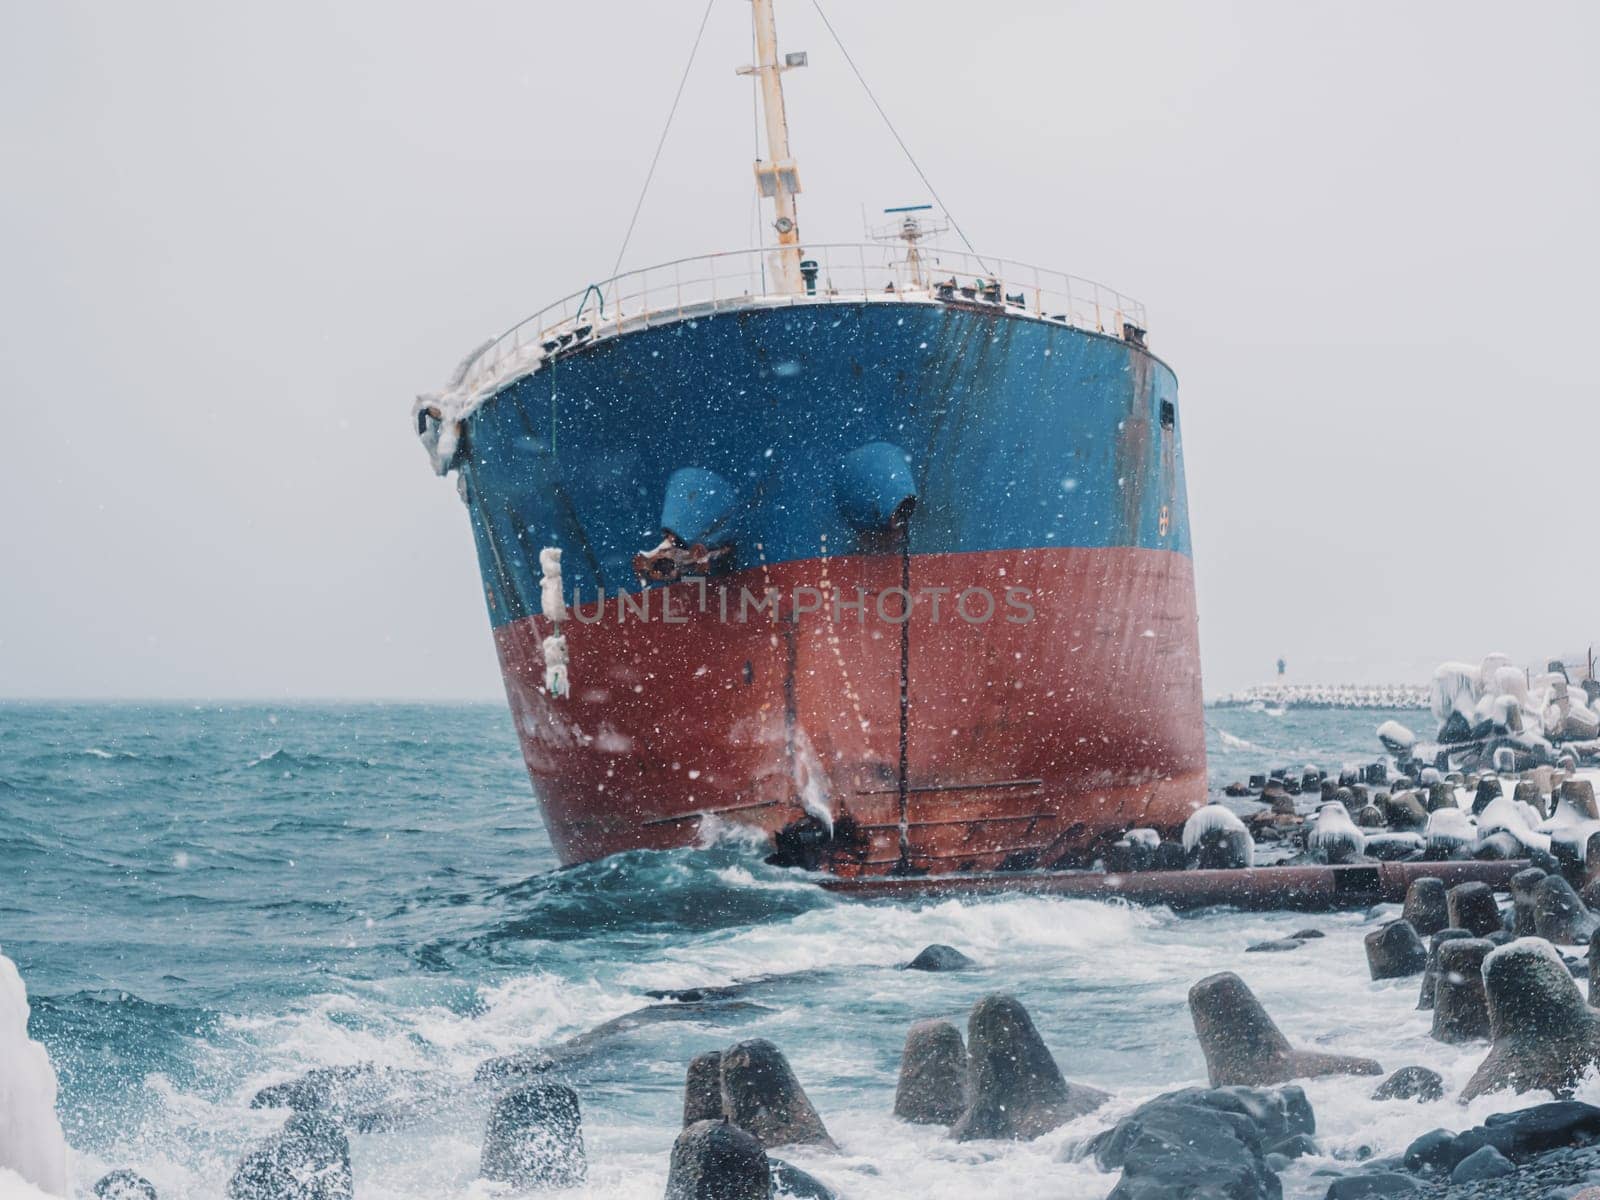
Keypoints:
(31, 1142)
(1106, 984)
(15, 1187)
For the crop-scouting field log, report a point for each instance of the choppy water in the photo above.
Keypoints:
(205, 900)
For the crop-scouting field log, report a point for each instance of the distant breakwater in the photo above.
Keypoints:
(1327, 695)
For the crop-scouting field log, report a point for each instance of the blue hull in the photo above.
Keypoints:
(1019, 433)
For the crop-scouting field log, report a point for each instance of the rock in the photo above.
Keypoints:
(713, 1160)
(1243, 1046)
(1273, 946)
(1528, 793)
(1412, 1083)
(1594, 970)
(1396, 738)
(1236, 790)
(1405, 811)
(789, 1182)
(1523, 884)
(1518, 1136)
(702, 1089)
(503, 1070)
(1460, 1006)
(534, 1138)
(761, 1095)
(1426, 907)
(1301, 935)
(1456, 728)
(940, 958)
(1295, 1146)
(1379, 1184)
(1483, 1163)
(1430, 974)
(1472, 907)
(1488, 790)
(1169, 857)
(1370, 817)
(933, 1075)
(123, 1184)
(1126, 855)
(1558, 914)
(1441, 795)
(1015, 1088)
(1590, 870)
(1282, 803)
(1527, 1132)
(309, 1159)
(1205, 1142)
(1395, 951)
(1545, 1035)
(1580, 794)
(1279, 1113)
(363, 1097)
(1499, 846)
(1433, 1151)
(1190, 1151)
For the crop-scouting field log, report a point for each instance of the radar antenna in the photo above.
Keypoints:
(910, 229)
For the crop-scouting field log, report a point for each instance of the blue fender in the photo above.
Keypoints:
(874, 488)
(699, 507)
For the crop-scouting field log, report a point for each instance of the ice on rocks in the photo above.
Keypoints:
(31, 1142)
(1503, 813)
(1211, 818)
(1455, 690)
(1334, 838)
(1448, 830)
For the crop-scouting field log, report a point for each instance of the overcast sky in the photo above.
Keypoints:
(236, 239)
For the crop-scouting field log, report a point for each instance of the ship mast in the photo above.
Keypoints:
(778, 177)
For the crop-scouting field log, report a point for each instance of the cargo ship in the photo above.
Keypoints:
(875, 552)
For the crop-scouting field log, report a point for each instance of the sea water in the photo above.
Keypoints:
(207, 899)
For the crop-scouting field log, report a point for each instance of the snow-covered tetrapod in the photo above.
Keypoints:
(31, 1142)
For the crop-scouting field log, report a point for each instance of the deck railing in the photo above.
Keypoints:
(845, 273)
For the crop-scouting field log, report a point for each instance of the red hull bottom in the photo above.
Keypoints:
(937, 744)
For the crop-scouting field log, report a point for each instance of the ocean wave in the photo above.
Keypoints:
(119, 755)
(309, 760)
(683, 891)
